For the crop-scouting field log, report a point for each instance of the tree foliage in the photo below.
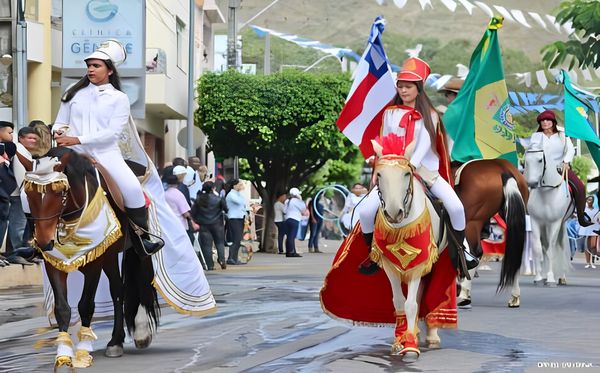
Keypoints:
(283, 124)
(584, 47)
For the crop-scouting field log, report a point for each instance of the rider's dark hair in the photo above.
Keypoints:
(204, 195)
(85, 81)
(424, 106)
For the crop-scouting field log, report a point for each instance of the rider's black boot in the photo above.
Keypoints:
(461, 257)
(368, 267)
(138, 218)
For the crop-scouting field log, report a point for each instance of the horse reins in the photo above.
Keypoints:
(408, 196)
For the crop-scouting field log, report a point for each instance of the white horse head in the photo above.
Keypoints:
(396, 182)
(539, 169)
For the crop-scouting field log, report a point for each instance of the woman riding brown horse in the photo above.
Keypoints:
(65, 195)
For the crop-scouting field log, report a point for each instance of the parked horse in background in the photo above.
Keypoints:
(487, 187)
(71, 214)
(550, 205)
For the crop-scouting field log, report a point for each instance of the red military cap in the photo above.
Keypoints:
(413, 70)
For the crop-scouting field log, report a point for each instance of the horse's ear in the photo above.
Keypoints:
(61, 163)
(27, 164)
(377, 148)
(410, 149)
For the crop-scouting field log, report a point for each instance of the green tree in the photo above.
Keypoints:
(583, 48)
(283, 125)
(582, 166)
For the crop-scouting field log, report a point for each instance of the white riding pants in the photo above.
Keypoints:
(128, 183)
(367, 209)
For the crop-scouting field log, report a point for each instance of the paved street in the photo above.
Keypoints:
(270, 320)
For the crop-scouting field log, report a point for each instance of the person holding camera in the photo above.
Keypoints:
(7, 178)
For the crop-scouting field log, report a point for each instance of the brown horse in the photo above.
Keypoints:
(64, 196)
(487, 187)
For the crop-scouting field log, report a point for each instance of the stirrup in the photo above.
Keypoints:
(146, 247)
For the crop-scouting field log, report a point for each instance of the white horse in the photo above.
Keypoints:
(549, 206)
(405, 214)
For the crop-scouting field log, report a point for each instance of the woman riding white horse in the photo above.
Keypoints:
(413, 118)
(550, 203)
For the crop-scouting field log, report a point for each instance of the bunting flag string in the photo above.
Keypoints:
(511, 15)
(527, 78)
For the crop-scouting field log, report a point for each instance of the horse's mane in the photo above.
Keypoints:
(391, 144)
(78, 166)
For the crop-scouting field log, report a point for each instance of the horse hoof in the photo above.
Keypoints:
(562, 281)
(465, 304)
(114, 351)
(397, 348)
(83, 359)
(433, 344)
(63, 363)
(514, 302)
(410, 355)
(143, 343)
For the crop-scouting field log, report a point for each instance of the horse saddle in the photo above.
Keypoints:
(456, 250)
(112, 186)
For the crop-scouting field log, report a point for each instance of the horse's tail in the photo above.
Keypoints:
(138, 275)
(513, 213)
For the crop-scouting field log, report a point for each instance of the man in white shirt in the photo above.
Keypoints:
(195, 176)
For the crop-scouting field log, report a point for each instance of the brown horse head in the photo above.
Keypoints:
(46, 189)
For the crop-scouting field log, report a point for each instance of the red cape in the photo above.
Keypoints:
(495, 248)
(350, 295)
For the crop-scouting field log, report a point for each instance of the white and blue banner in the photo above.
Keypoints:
(87, 23)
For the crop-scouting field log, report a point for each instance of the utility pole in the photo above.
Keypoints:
(267, 61)
(191, 54)
(21, 66)
(232, 34)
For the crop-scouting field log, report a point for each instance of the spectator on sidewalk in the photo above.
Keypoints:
(237, 206)
(315, 209)
(279, 210)
(7, 178)
(195, 176)
(18, 233)
(295, 209)
(591, 210)
(207, 211)
(176, 201)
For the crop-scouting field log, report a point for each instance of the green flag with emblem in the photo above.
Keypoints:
(479, 120)
(577, 116)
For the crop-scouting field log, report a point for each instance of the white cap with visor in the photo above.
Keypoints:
(110, 49)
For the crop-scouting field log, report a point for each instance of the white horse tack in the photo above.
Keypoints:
(549, 207)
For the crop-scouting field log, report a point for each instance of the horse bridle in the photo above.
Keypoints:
(64, 195)
(540, 185)
(408, 196)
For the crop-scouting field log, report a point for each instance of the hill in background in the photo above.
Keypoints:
(346, 23)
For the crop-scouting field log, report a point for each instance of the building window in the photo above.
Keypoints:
(181, 45)
(5, 9)
(31, 10)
